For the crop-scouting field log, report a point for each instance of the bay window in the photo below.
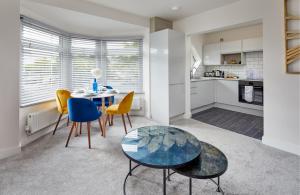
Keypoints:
(51, 59)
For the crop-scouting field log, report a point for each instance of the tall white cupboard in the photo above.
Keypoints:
(167, 75)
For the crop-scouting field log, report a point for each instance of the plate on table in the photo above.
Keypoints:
(79, 91)
(111, 91)
(90, 94)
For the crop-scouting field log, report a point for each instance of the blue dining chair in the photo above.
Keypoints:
(98, 101)
(83, 110)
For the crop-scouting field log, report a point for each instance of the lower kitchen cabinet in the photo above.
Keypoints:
(206, 92)
(227, 92)
(202, 93)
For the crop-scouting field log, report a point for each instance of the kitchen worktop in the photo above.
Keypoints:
(213, 78)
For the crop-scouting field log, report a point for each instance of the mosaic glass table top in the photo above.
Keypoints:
(161, 146)
(210, 164)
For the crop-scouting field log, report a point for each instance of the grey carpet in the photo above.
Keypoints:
(241, 123)
(47, 167)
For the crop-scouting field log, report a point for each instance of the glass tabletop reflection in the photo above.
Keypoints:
(210, 164)
(161, 146)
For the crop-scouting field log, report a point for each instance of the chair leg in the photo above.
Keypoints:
(106, 120)
(68, 121)
(89, 133)
(73, 125)
(112, 120)
(80, 128)
(101, 128)
(123, 119)
(129, 119)
(57, 123)
(76, 130)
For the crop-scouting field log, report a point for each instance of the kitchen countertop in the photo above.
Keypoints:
(213, 78)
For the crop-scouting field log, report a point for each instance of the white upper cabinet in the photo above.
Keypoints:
(211, 54)
(231, 47)
(253, 44)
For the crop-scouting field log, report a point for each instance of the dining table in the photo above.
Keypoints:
(101, 94)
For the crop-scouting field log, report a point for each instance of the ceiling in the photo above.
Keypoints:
(162, 8)
(79, 23)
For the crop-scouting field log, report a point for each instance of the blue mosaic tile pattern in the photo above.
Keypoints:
(161, 146)
(210, 164)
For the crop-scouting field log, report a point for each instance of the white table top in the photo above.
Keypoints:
(99, 95)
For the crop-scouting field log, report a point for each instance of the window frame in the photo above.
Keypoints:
(66, 56)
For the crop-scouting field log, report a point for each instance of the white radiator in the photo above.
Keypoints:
(39, 120)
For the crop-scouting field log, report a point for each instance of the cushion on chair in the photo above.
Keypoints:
(82, 110)
(113, 109)
(62, 97)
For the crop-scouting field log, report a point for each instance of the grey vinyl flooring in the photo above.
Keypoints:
(241, 123)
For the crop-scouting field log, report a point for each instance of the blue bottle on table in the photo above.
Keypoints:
(95, 86)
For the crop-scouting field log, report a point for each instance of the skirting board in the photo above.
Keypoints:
(7, 152)
(285, 146)
(229, 107)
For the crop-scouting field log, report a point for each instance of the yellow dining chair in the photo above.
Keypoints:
(62, 97)
(122, 108)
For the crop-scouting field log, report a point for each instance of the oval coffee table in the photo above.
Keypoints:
(160, 147)
(212, 163)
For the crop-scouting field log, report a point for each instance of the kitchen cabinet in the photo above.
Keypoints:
(211, 54)
(206, 92)
(253, 44)
(202, 93)
(229, 47)
(227, 92)
(167, 78)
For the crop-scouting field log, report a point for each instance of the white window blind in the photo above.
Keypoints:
(84, 59)
(51, 59)
(41, 65)
(123, 61)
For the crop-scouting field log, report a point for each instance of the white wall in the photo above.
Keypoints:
(9, 77)
(282, 90)
(281, 122)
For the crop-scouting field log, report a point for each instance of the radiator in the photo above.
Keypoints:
(37, 121)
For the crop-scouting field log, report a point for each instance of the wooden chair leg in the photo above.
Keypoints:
(102, 129)
(106, 119)
(76, 130)
(80, 128)
(112, 120)
(129, 119)
(123, 119)
(68, 121)
(89, 133)
(109, 119)
(70, 134)
(57, 123)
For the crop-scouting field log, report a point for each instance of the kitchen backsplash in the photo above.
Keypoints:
(253, 68)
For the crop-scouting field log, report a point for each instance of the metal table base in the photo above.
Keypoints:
(166, 176)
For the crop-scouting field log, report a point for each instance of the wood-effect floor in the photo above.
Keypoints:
(246, 124)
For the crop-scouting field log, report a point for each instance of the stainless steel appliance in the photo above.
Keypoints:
(251, 92)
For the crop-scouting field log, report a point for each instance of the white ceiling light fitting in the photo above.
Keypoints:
(175, 8)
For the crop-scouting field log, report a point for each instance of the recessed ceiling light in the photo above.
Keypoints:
(175, 8)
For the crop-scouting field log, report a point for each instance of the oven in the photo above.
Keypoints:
(251, 92)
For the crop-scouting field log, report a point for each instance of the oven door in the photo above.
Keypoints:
(257, 92)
